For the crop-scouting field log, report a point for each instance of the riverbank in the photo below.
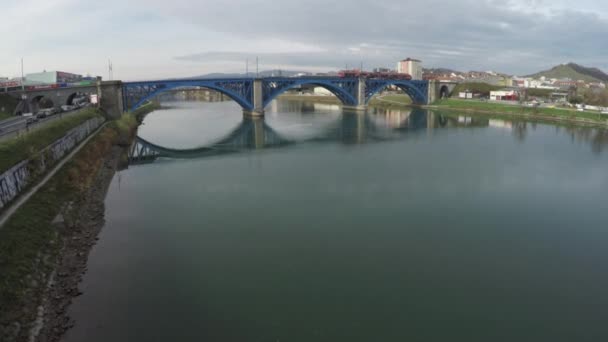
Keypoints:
(529, 113)
(385, 101)
(311, 98)
(45, 245)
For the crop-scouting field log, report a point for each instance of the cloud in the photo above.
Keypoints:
(157, 38)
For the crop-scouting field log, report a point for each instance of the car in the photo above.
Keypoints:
(31, 120)
(41, 114)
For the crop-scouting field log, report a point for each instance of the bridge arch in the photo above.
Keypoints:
(136, 94)
(41, 102)
(343, 89)
(444, 92)
(416, 90)
(70, 99)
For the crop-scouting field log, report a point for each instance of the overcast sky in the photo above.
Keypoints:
(173, 38)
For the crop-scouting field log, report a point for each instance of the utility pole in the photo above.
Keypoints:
(257, 67)
(110, 70)
(247, 67)
(22, 78)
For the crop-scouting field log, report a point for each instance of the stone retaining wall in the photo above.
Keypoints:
(16, 179)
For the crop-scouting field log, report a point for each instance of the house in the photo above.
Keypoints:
(504, 95)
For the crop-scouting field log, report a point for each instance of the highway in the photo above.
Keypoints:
(12, 127)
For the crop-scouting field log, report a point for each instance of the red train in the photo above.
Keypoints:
(392, 75)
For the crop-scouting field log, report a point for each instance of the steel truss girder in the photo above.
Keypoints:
(136, 93)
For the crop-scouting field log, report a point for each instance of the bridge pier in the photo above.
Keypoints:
(253, 113)
(355, 109)
(111, 98)
(258, 100)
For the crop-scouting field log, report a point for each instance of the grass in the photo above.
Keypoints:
(20, 148)
(7, 106)
(391, 101)
(330, 99)
(516, 109)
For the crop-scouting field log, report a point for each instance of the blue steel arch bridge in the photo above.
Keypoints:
(254, 94)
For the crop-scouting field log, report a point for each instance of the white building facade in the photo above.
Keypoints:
(410, 66)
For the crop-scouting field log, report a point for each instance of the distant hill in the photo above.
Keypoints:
(574, 72)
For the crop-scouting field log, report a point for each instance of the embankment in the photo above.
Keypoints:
(44, 247)
(554, 115)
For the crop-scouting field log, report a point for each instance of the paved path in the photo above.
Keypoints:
(8, 213)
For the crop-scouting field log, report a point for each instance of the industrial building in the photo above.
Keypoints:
(52, 77)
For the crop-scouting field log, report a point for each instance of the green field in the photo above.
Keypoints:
(15, 150)
(390, 101)
(557, 113)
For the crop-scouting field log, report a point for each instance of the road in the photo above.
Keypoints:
(12, 127)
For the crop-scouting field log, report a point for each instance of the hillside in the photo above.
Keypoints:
(575, 72)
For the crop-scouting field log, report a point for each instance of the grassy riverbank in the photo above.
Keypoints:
(30, 242)
(311, 98)
(380, 101)
(15, 150)
(551, 114)
(391, 101)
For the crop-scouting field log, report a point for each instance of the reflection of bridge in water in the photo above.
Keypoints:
(255, 133)
(251, 133)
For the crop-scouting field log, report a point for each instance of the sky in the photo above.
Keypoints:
(150, 39)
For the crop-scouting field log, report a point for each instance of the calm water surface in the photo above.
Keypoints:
(323, 226)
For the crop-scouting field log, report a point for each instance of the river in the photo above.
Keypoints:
(397, 225)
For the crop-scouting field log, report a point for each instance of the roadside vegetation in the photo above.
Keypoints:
(15, 150)
(7, 106)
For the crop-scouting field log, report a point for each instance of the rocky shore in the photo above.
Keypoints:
(62, 222)
(79, 229)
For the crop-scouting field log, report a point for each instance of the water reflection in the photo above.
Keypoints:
(251, 133)
(347, 128)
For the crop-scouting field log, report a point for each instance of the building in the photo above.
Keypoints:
(52, 77)
(504, 95)
(383, 70)
(412, 67)
(322, 91)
